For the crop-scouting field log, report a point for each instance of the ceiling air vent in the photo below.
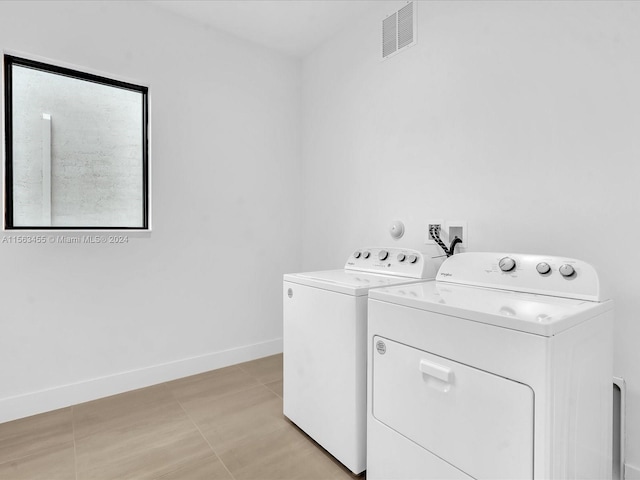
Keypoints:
(399, 30)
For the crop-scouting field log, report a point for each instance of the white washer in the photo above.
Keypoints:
(500, 369)
(325, 345)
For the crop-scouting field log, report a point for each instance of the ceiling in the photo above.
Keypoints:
(293, 27)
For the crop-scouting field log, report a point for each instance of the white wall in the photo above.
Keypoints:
(81, 321)
(522, 118)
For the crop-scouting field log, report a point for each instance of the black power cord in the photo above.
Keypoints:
(434, 231)
(452, 246)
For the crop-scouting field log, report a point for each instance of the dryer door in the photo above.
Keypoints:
(476, 421)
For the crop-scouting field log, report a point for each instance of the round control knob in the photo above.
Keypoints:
(383, 254)
(356, 254)
(507, 264)
(567, 270)
(401, 257)
(412, 258)
(366, 254)
(543, 268)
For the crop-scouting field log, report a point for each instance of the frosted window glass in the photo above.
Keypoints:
(96, 173)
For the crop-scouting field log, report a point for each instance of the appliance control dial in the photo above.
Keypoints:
(412, 258)
(543, 268)
(356, 254)
(567, 270)
(507, 264)
(366, 254)
(383, 254)
(401, 257)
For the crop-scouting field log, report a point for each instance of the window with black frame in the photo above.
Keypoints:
(76, 149)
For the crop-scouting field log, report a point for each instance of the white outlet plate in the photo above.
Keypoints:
(428, 240)
(457, 228)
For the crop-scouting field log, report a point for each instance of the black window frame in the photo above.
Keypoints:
(9, 61)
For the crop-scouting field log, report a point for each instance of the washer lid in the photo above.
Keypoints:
(538, 314)
(349, 282)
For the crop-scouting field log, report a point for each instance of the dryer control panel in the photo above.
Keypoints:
(538, 274)
(401, 262)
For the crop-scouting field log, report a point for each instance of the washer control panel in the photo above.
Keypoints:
(541, 274)
(402, 262)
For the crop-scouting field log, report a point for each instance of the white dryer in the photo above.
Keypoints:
(325, 345)
(500, 369)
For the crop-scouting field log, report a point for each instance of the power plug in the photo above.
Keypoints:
(429, 240)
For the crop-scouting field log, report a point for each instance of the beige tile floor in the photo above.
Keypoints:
(223, 424)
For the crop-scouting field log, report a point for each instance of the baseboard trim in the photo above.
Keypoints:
(25, 405)
(631, 473)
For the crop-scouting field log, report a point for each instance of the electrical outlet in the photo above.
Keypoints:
(458, 229)
(428, 238)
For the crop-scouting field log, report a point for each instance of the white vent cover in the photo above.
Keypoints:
(399, 30)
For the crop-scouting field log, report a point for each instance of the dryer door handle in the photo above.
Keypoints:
(436, 371)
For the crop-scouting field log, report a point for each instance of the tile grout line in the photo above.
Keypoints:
(255, 377)
(36, 453)
(259, 382)
(241, 389)
(250, 374)
(203, 437)
(270, 389)
(264, 384)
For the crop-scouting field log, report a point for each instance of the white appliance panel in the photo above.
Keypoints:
(479, 422)
(349, 282)
(399, 262)
(325, 369)
(325, 345)
(558, 345)
(537, 314)
(400, 459)
(484, 269)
